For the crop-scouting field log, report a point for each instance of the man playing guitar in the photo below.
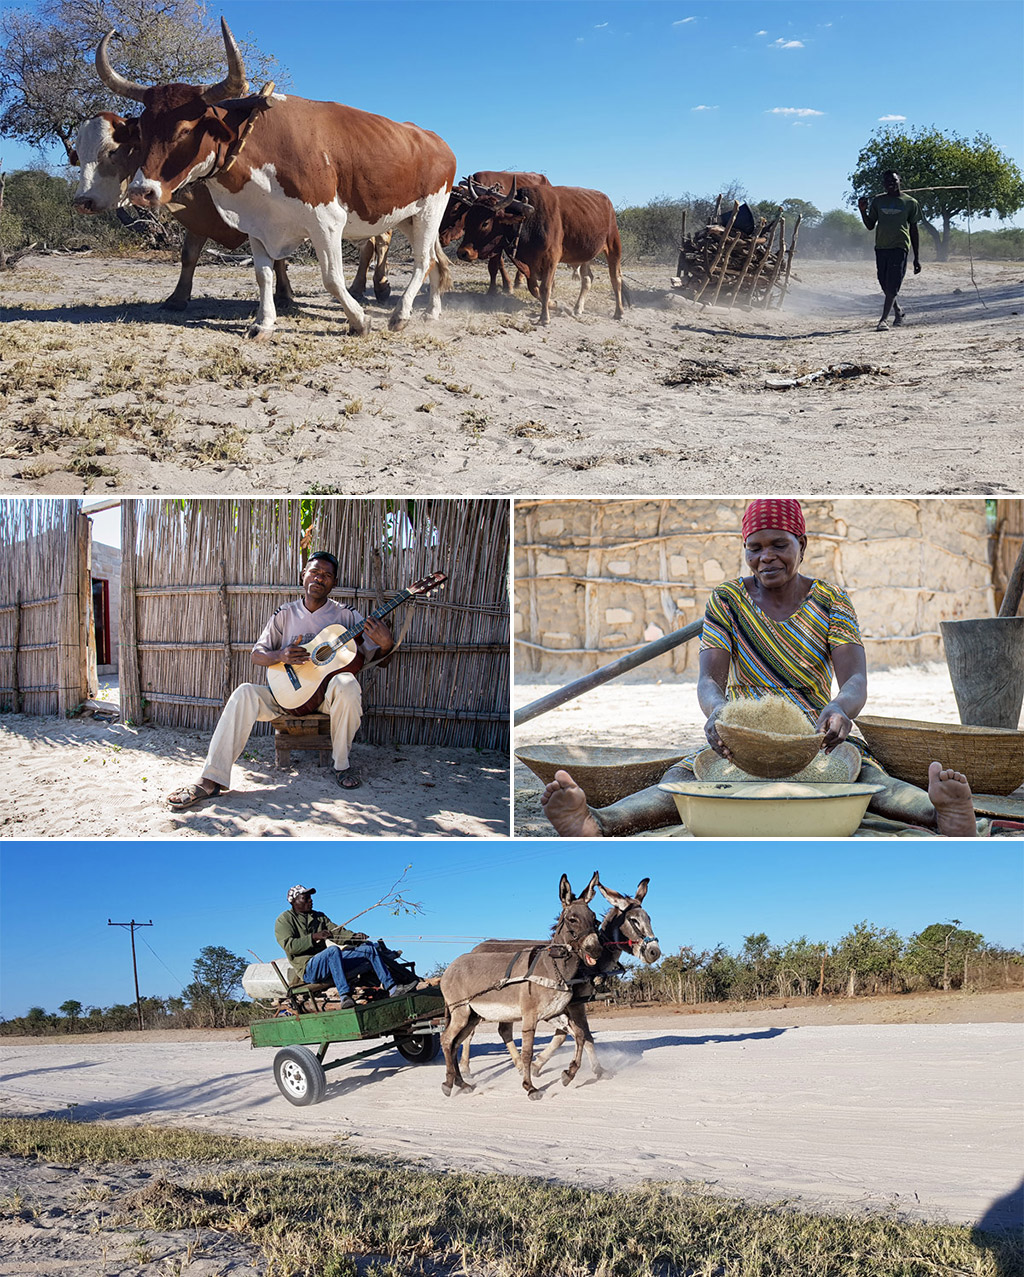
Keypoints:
(280, 643)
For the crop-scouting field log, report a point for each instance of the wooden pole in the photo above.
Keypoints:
(87, 622)
(129, 673)
(721, 248)
(69, 648)
(607, 672)
(682, 247)
(225, 613)
(778, 262)
(15, 681)
(746, 264)
(1014, 587)
(789, 260)
(769, 241)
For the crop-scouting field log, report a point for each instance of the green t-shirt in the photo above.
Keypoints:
(893, 216)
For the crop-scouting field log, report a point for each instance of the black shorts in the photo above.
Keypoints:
(892, 266)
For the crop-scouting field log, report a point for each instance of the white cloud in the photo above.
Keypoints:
(703, 108)
(600, 26)
(787, 44)
(800, 111)
(683, 21)
(891, 119)
(760, 33)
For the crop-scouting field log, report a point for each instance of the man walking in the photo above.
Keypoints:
(893, 217)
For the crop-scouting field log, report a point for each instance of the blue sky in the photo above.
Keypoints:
(56, 898)
(656, 97)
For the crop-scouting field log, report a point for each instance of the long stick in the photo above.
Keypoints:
(1014, 587)
(607, 672)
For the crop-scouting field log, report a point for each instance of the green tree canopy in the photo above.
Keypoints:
(218, 971)
(940, 950)
(48, 80)
(992, 182)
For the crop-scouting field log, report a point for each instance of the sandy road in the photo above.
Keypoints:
(923, 1119)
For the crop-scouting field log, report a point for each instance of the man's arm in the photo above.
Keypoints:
(867, 213)
(915, 243)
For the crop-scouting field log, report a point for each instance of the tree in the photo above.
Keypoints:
(869, 952)
(72, 1010)
(930, 158)
(48, 81)
(218, 973)
(939, 949)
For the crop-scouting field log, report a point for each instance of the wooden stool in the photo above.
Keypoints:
(311, 731)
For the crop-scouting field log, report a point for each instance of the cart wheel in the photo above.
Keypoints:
(299, 1075)
(420, 1048)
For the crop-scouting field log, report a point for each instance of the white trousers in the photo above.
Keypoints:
(252, 703)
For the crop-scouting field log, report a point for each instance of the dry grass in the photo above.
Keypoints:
(386, 1219)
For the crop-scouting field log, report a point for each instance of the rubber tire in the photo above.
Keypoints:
(299, 1075)
(420, 1048)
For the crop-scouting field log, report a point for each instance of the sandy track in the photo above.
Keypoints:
(920, 1118)
(102, 390)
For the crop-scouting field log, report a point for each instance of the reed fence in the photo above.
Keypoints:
(45, 606)
(597, 579)
(200, 579)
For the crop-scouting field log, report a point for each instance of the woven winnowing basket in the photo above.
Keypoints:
(992, 758)
(842, 766)
(768, 754)
(605, 773)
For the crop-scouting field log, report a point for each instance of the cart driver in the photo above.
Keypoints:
(303, 932)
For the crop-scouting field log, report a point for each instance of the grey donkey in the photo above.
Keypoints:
(530, 984)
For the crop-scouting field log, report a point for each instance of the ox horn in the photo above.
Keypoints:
(116, 83)
(236, 85)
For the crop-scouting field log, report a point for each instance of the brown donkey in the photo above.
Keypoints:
(529, 984)
(625, 929)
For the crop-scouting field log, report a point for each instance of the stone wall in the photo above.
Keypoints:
(596, 579)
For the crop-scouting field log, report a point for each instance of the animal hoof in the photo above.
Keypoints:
(174, 303)
(259, 334)
(534, 1094)
(446, 1087)
(566, 1078)
(283, 304)
(382, 292)
(396, 323)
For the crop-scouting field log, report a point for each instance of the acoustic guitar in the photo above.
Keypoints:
(300, 689)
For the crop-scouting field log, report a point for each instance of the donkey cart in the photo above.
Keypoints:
(408, 1024)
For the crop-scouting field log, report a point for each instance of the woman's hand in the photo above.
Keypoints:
(713, 738)
(836, 726)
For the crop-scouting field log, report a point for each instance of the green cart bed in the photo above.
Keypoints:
(409, 1024)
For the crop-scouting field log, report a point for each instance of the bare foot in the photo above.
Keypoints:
(565, 805)
(950, 795)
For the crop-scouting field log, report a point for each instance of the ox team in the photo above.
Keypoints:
(281, 170)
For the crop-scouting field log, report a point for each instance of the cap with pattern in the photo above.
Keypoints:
(299, 890)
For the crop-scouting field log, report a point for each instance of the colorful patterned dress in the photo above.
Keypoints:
(790, 658)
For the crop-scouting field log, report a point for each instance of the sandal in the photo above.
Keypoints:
(190, 795)
(348, 779)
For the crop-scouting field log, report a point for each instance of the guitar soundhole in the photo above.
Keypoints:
(323, 654)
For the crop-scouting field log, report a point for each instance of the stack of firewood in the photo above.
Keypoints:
(737, 258)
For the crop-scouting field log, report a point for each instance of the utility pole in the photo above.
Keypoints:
(135, 970)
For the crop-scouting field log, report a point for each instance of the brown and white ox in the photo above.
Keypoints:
(107, 151)
(540, 226)
(461, 200)
(303, 170)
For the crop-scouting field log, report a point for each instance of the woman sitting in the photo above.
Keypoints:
(776, 632)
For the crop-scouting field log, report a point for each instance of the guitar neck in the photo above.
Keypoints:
(377, 615)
